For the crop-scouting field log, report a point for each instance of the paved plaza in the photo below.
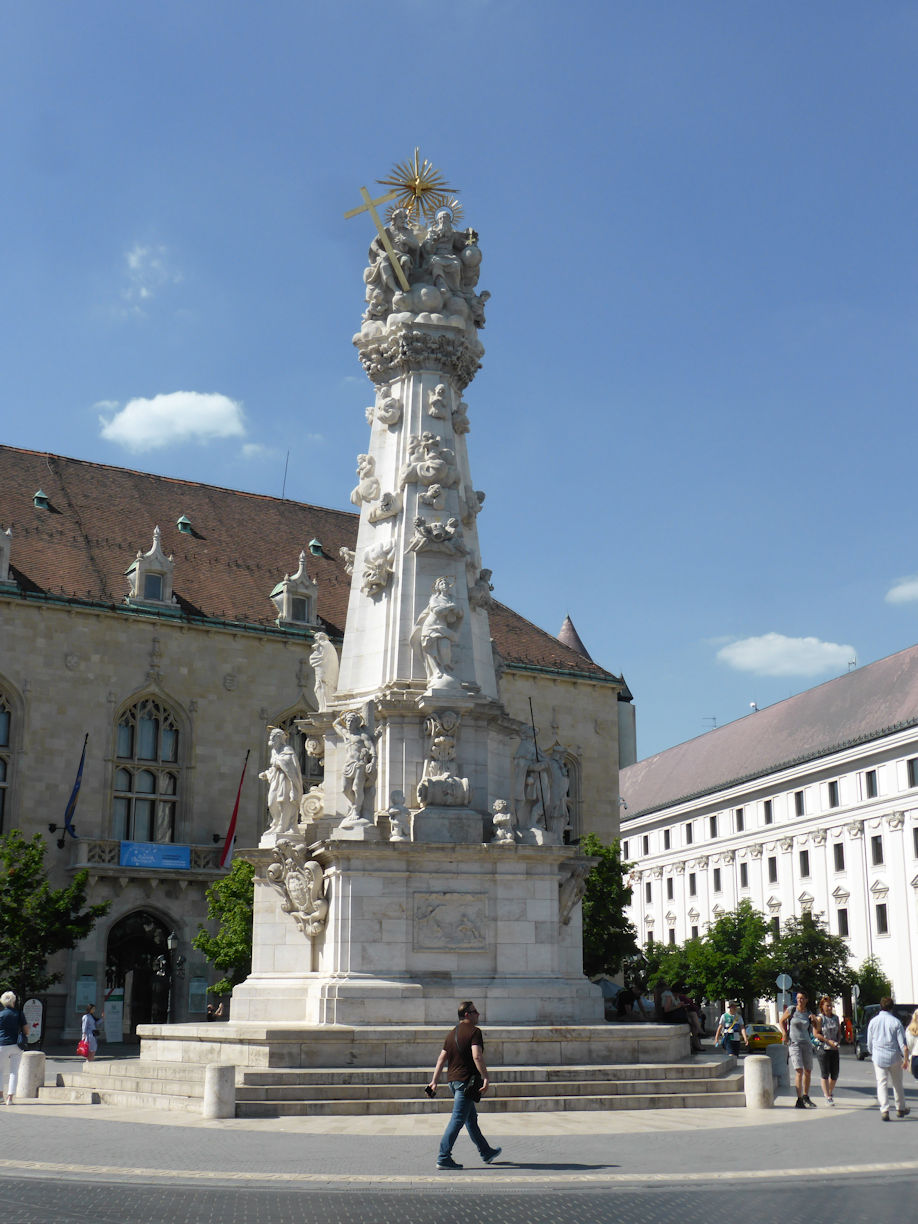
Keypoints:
(64, 1163)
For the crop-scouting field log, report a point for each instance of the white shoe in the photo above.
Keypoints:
(830, 1100)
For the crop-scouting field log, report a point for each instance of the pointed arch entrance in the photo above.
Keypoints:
(137, 957)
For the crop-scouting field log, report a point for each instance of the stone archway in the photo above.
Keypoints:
(137, 957)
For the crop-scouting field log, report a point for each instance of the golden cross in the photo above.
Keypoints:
(369, 206)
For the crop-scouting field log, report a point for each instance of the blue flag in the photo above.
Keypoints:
(75, 793)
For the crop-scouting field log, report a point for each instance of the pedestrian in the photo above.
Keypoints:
(467, 1076)
(828, 1034)
(911, 1041)
(797, 1024)
(89, 1032)
(13, 1027)
(730, 1026)
(887, 1046)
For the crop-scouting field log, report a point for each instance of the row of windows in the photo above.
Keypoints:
(880, 916)
(877, 858)
(147, 782)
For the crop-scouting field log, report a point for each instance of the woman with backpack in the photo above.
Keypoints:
(797, 1024)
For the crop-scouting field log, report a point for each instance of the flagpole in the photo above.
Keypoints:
(227, 856)
(72, 801)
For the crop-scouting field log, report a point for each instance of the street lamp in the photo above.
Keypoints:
(171, 944)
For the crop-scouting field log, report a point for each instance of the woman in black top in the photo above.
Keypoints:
(827, 1030)
(12, 1026)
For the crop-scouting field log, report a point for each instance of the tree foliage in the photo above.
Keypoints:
(873, 982)
(37, 920)
(230, 904)
(816, 960)
(731, 956)
(608, 936)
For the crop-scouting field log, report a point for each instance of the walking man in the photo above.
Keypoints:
(797, 1024)
(467, 1076)
(886, 1045)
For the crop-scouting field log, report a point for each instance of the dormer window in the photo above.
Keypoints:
(150, 578)
(295, 598)
(40, 500)
(184, 525)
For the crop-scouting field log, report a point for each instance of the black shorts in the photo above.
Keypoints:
(828, 1064)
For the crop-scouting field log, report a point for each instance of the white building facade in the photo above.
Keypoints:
(810, 805)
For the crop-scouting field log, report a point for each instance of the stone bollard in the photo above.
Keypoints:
(757, 1078)
(779, 1065)
(31, 1074)
(219, 1091)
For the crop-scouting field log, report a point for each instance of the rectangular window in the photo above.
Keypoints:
(882, 920)
(913, 771)
(691, 884)
(833, 794)
(672, 935)
(876, 850)
(744, 875)
(669, 889)
(712, 823)
(843, 922)
(870, 784)
(776, 928)
(799, 806)
(804, 863)
(666, 839)
(717, 879)
(153, 586)
(299, 609)
(689, 835)
(769, 814)
(915, 841)
(648, 893)
(739, 817)
(694, 932)
(839, 851)
(624, 850)
(646, 844)
(773, 871)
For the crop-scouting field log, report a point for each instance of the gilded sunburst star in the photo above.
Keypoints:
(422, 190)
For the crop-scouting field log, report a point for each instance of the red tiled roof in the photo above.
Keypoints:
(241, 547)
(860, 706)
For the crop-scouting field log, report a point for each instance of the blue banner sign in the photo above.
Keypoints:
(155, 854)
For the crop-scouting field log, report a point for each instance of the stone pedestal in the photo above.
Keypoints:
(412, 928)
(447, 825)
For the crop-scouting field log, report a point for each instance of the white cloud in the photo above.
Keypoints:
(179, 416)
(773, 654)
(903, 591)
(258, 450)
(149, 270)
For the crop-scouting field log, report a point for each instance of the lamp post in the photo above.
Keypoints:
(171, 944)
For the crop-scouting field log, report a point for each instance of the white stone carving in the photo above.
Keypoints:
(855, 829)
(301, 882)
(439, 786)
(438, 537)
(324, 660)
(438, 402)
(377, 567)
(460, 418)
(312, 806)
(433, 497)
(444, 920)
(504, 831)
(895, 820)
(470, 503)
(480, 591)
(389, 410)
(436, 632)
(348, 556)
(380, 277)
(359, 774)
(571, 889)
(540, 791)
(429, 462)
(388, 506)
(150, 576)
(285, 788)
(367, 489)
(399, 817)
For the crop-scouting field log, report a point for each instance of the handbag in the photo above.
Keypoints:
(472, 1086)
(83, 1048)
(22, 1041)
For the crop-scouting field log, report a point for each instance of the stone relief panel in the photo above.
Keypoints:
(378, 566)
(439, 785)
(451, 921)
(429, 462)
(367, 489)
(437, 536)
(301, 882)
(389, 506)
(438, 405)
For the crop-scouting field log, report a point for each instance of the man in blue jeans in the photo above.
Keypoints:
(463, 1055)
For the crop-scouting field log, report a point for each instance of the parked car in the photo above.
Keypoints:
(902, 1011)
(762, 1035)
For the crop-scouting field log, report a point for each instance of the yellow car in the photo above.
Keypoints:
(762, 1035)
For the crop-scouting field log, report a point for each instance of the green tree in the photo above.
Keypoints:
(873, 982)
(230, 903)
(37, 920)
(730, 956)
(673, 964)
(608, 936)
(816, 960)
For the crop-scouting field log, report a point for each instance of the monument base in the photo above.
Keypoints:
(414, 928)
(447, 825)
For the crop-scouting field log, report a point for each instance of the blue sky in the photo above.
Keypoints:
(696, 418)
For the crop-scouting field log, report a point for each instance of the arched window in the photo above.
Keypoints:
(147, 772)
(6, 739)
(571, 766)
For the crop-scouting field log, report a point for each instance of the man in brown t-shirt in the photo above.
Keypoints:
(463, 1055)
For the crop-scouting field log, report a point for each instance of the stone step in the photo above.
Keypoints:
(121, 1098)
(697, 1069)
(69, 1094)
(684, 1100)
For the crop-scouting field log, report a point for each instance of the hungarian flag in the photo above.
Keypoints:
(227, 856)
(75, 793)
